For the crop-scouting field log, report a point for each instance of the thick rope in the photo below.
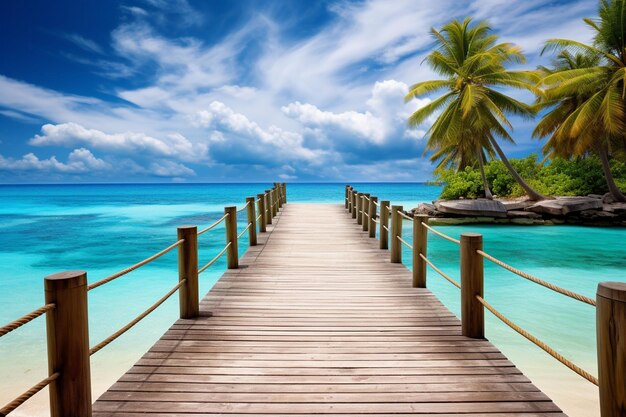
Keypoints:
(137, 319)
(376, 203)
(244, 230)
(206, 229)
(438, 233)
(258, 217)
(133, 267)
(366, 215)
(376, 221)
(440, 272)
(536, 280)
(244, 207)
(401, 213)
(26, 318)
(212, 261)
(366, 197)
(386, 228)
(4, 411)
(556, 355)
(405, 242)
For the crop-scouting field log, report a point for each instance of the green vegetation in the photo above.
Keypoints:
(560, 176)
(581, 99)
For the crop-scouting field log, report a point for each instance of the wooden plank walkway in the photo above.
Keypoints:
(318, 321)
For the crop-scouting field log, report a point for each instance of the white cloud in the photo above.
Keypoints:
(170, 169)
(68, 134)
(79, 161)
(84, 43)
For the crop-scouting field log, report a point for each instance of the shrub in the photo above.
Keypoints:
(556, 177)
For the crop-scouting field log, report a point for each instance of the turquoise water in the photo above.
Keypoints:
(104, 228)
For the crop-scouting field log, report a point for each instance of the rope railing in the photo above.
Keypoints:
(440, 272)
(212, 226)
(135, 266)
(443, 235)
(245, 206)
(244, 231)
(27, 395)
(539, 281)
(385, 227)
(212, 261)
(259, 217)
(376, 203)
(404, 215)
(137, 319)
(405, 243)
(26, 318)
(556, 355)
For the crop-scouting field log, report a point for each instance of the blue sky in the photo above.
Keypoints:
(195, 91)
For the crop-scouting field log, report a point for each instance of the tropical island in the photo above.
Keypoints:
(580, 104)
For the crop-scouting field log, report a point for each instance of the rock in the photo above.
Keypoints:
(608, 198)
(517, 204)
(598, 196)
(426, 208)
(515, 214)
(617, 208)
(522, 220)
(565, 205)
(480, 207)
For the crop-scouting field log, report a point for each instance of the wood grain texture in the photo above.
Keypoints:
(317, 320)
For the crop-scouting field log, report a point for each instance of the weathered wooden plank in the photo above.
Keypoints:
(317, 320)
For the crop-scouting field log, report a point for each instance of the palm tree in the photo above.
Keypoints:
(473, 112)
(586, 92)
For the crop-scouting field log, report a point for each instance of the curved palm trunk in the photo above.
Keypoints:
(532, 194)
(608, 175)
(481, 164)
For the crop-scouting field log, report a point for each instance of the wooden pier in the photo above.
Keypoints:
(318, 321)
(318, 317)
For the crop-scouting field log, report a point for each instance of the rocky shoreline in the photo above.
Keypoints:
(594, 210)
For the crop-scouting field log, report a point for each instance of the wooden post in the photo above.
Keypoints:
(384, 222)
(359, 208)
(611, 339)
(268, 207)
(396, 231)
(365, 206)
(251, 220)
(372, 219)
(188, 293)
(355, 196)
(232, 252)
(279, 195)
(285, 192)
(347, 194)
(274, 202)
(420, 242)
(261, 209)
(350, 200)
(472, 311)
(67, 329)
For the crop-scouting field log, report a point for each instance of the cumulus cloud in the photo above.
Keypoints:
(68, 134)
(79, 161)
(170, 169)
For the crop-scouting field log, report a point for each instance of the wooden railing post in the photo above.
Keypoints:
(359, 208)
(365, 206)
(279, 195)
(67, 328)
(372, 219)
(420, 242)
(274, 202)
(472, 311)
(349, 202)
(355, 199)
(251, 220)
(261, 209)
(188, 293)
(384, 223)
(268, 207)
(611, 339)
(285, 192)
(232, 252)
(347, 195)
(396, 231)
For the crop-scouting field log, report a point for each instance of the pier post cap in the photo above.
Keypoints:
(229, 208)
(260, 195)
(187, 227)
(396, 207)
(66, 279)
(615, 291)
(385, 202)
(471, 236)
(249, 198)
(374, 198)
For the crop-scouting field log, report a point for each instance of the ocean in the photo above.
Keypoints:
(104, 228)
